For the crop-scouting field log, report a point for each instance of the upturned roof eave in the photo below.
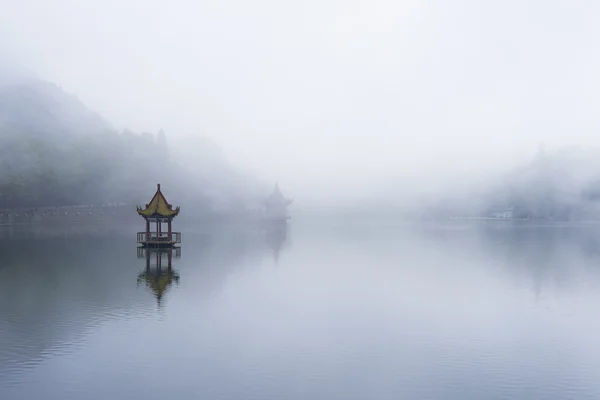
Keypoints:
(158, 215)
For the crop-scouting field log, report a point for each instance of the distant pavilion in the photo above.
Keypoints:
(156, 213)
(276, 205)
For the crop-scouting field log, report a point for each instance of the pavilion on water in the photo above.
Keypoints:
(276, 205)
(156, 213)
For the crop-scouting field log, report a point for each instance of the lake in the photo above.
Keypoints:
(336, 310)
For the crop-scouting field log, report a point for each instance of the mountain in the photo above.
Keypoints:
(30, 107)
(43, 110)
(55, 151)
(563, 185)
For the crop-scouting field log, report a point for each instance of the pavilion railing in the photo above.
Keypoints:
(143, 237)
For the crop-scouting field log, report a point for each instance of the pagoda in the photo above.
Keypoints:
(276, 205)
(156, 213)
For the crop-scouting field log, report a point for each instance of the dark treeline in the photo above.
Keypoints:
(56, 152)
(91, 169)
(563, 185)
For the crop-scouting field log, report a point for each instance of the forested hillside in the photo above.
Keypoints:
(558, 185)
(54, 151)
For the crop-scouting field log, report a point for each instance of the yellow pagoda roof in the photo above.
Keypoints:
(158, 207)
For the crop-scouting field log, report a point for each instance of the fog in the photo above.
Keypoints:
(339, 101)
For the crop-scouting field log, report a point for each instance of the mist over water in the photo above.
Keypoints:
(444, 312)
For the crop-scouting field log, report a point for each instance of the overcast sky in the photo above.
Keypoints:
(322, 92)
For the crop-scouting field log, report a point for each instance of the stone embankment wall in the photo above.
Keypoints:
(122, 213)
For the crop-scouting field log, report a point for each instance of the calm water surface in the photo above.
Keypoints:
(320, 311)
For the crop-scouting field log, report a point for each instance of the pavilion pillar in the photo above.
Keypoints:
(170, 232)
(147, 229)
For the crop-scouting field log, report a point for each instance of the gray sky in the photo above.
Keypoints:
(322, 92)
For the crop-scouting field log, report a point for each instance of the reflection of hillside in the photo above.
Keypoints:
(54, 289)
(544, 255)
(536, 257)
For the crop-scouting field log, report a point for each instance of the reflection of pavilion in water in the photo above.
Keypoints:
(159, 273)
(276, 237)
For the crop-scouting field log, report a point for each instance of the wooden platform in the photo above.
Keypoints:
(158, 244)
(160, 239)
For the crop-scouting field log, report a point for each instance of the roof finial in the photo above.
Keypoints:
(158, 186)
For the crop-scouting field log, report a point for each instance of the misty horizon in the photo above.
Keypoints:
(325, 99)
